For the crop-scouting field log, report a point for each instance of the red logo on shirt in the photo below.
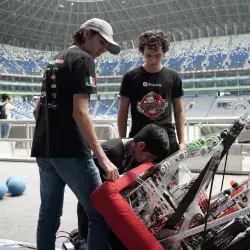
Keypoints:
(53, 77)
(59, 61)
(152, 105)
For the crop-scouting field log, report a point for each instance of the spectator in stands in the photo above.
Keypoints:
(64, 134)
(151, 90)
(149, 144)
(5, 114)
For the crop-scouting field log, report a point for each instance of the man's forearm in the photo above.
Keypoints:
(122, 124)
(180, 126)
(35, 113)
(87, 132)
(36, 108)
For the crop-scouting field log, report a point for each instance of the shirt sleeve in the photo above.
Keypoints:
(9, 107)
(84, 79)
(113, 149)
(124, 89)
(177, 90)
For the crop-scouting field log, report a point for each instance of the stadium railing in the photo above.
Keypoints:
(17, 146)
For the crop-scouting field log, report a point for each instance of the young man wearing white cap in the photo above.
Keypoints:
(64, 135)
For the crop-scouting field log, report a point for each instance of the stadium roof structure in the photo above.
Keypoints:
(48, 24)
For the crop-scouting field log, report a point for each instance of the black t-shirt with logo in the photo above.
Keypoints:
(56, 134)
(151, 96)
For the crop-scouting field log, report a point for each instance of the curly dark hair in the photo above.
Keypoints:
(153, 39)
(77, 36)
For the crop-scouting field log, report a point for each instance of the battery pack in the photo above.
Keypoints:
(225, 236)
(241, 243)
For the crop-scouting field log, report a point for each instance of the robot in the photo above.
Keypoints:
(165, 206)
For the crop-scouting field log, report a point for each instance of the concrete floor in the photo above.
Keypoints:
(18, 215)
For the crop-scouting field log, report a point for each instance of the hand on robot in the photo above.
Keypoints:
(182, 145)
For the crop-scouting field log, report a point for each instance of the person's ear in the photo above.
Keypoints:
(86, 33)
(141, 145)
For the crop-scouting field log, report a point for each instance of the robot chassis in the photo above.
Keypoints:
(177, 208)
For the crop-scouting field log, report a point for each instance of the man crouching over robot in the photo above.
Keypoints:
(151, 144)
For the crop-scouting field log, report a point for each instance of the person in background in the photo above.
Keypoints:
(153, 91)
(5, 114)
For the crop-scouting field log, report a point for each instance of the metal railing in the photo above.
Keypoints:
(16, 145)
(19, 148)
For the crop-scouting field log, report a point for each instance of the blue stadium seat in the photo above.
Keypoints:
(103, 107)
(189, 55)
(239, 51)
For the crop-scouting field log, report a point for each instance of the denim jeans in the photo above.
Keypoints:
(5, 130)
(82, 176)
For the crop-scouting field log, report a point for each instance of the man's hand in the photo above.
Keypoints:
(182, 145)
(110, 169)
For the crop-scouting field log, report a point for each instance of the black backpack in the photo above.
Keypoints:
(2, 112)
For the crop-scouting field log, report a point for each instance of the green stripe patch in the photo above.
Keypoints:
(90, 81)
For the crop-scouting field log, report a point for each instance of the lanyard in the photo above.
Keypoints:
(127, 159)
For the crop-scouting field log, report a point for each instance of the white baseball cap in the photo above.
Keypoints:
(105, 30)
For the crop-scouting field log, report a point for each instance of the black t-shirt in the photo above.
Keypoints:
(56, 134)
(117, 153)
(151, 96)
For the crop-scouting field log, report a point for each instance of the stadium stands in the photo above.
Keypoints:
(21, 61)
(203, 106)
(103, 107)
(179, 53)
(23, 110)
(108, 63)
(239, 51)
(218, 53)
(214, 53)
(24, 60)
(92, 105)
(197, 55)
(7, 65)
(42, 57)
(128, 60)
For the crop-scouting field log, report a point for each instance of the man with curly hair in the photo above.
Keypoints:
(152, 90)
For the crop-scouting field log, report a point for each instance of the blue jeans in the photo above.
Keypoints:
(5, 130)
(82, 176)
